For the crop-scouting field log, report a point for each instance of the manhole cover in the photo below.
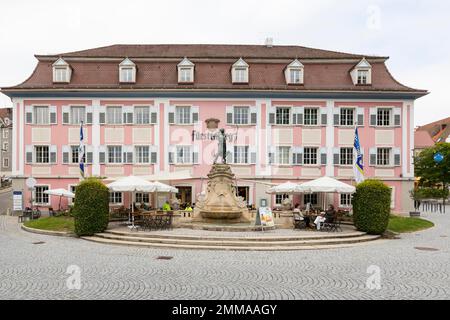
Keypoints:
(426, 249)
(164, 258)
(38, 242)
(443, 236)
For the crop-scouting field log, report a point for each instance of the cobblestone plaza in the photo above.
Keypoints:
(35, 267)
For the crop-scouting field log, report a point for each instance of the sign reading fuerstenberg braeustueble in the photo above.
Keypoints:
(196, 135)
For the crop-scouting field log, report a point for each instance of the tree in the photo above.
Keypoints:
(430, 172)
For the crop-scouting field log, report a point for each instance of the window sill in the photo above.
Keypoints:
(241, 164)
(183, 124)
(241, 125)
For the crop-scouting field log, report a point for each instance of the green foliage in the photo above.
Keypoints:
(52, 223)
(371, 206)
(429, 193)
(430, 172)
(91, 207)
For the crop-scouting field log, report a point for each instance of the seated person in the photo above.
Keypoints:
(297, 211)
(166, 206)
(330, 214)
(319, 220)
(188, 207)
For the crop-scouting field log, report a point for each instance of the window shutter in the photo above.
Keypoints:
(65, 156)
(324, 118)
(153, 118)
(29, 154)
(360, 119)
(396, 120)
(336, 118)
(252, 157)
(253, 118)
(300, 118)
(229, 118)
(373, 117)
(294, 118)
(271, 157)
(102, 157)
(29, 118)
(171, 157)
(397, 157)
(336, 156)
(53, 150)
(129, 157)
(299, 158)
(89, 157)
(153, 157)
(65, 118)
(171, 117)
(271, 118)
(52, 117)
(323, 156)
(130, 117)
(195, 157)
(195, 117)
(102, 118)
(373, 156)
(89, 118)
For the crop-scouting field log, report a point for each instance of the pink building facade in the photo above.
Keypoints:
(147, 110)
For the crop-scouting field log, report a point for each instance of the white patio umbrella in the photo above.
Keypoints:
(60, 193)
(162, 188)
(287, 187)
(326, 185)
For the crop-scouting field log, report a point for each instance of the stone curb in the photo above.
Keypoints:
(49, 232)
(5, 190)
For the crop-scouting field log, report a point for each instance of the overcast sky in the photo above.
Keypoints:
(413, 33)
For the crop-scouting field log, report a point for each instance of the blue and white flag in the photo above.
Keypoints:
(81, 151)
(358, 167)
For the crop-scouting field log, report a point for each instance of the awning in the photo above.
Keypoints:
(326, 184)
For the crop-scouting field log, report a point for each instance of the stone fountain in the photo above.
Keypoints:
(219, 204)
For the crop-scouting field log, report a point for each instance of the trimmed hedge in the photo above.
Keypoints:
(91, 207)
(372, 206)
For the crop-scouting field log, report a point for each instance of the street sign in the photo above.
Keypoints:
(31, 182)
(17, 200)
(438, 157)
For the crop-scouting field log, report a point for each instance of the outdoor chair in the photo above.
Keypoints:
(299, 223)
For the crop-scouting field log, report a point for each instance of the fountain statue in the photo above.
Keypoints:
(220, 203)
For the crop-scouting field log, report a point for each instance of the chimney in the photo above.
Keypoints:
(269, 42)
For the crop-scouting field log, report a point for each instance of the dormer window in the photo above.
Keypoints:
(362, 73)
(239, 72)
(127, 71)
(61, 71)
(294, 72)
(185, 71)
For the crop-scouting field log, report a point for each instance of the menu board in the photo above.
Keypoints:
(17, 200)
(266, 217)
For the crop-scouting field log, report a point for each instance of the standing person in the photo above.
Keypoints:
(166, 206)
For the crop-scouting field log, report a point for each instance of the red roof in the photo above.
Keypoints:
(422, 139)
(157, 68)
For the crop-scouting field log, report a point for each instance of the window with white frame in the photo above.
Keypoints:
(363, 76)
(42, 154)
(294, 76)
(347, 117)
(5, 133)
(310, 155)
(61, 74)
(311, 198)
(311, 116)
(115, 197)
(5, 162)
(75, 154)
(114, 115)
(142, 197)
(183, 114)
(114, 154)
(240, 75)
(280, 197)
(183, 154)
(186, 74)
(77, 114)
(282, 155)
(41, 115)
(39, 196)
(240, 154)
(345, 200)
(282, 115)
(142, 154)
(142, 115)
(5, 147)
(346, 156)
(383, 156)
(240, 115)
(383, 117)
(127, 74)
